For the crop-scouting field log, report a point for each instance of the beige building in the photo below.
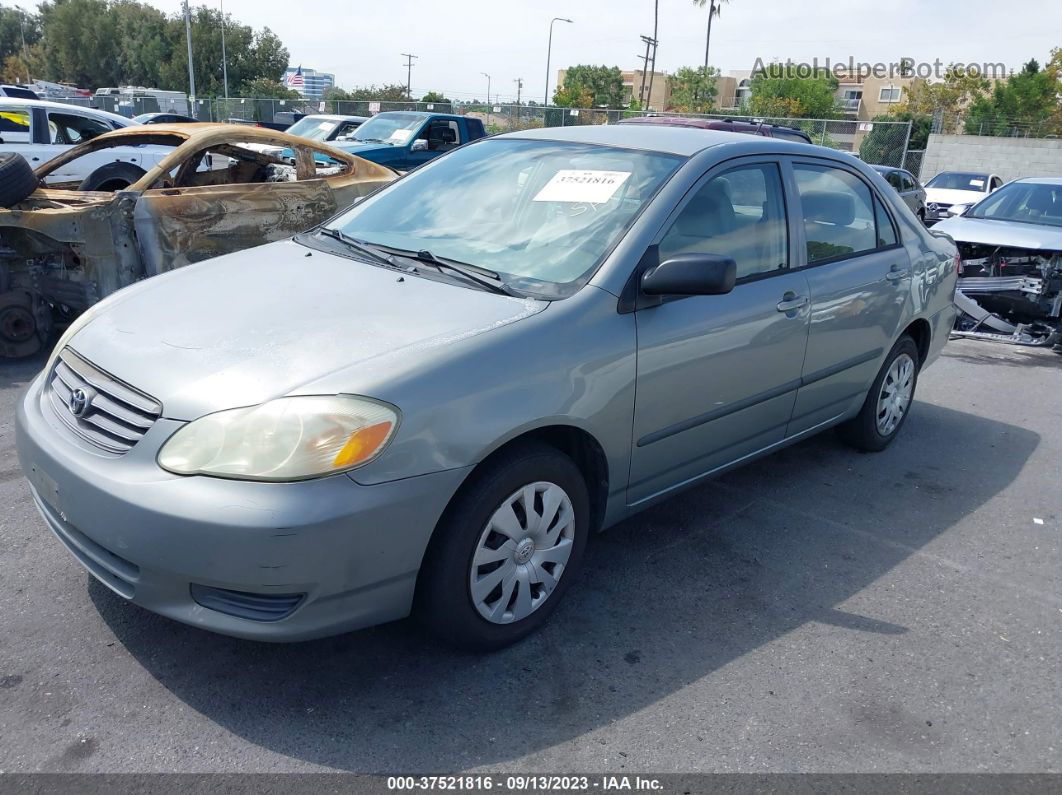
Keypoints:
(636, 86)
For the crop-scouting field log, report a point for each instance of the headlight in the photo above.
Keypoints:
(958, 209)
(285, 439)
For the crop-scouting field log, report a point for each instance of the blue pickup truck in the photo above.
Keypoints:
(404, 140)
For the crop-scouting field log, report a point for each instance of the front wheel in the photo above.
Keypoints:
(888, 402)
(506, 550)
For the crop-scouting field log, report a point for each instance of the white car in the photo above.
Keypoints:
(951, 193)
(40, 131)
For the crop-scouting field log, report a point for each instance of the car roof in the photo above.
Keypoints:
(65, 106)
(334, 117)
(685, 141)
(1041, 180)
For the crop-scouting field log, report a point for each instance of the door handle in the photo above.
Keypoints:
(896, 273)
(790, 302)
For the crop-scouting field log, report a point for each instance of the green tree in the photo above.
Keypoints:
(391, 92)
(333, 94)
(435, 96)
(14, 24)
(884, 144)
(693, 89)
(596, 86)
(1026, 100)
(714, 10)
(947, 99)
(264, 88)
(783, 90)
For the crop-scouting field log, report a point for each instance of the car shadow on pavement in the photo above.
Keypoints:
(666, 598)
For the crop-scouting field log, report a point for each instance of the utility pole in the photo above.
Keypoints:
(25, 54)
(488, 85)
(652, 70)
(191, 70)
(409, 73)
(224, 61)
(519, 87)
(649, 41)
(549, 52)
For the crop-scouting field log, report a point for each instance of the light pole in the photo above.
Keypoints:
(224, 62)
(549, 52)
(488, 85)
(191, 72)
(22, 32)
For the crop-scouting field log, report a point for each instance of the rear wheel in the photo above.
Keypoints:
(24, 325)
(888, 402)
(112, 177)
(506, 550)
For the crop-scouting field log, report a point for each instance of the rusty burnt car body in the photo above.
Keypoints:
(62, 250)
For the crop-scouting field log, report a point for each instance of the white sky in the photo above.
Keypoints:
(361, 41)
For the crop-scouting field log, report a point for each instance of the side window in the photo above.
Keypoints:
(886, 231)
(996, 183)
(908, 182)
(66, 128)
(442, 135)
(893, 178)
(739, 214)
(838, 212)
(14, 125)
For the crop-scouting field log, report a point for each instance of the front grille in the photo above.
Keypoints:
(99, 408)
(252, 606)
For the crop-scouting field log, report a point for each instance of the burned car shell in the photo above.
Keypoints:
(1010, 285)
(61, 250)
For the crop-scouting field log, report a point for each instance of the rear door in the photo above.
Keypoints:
(860, 281)
(717, 375)
(68, 128)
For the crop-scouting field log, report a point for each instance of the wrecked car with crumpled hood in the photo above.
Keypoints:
(63, 249)
(1010, 247)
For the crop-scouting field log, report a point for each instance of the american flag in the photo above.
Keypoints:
(295, 78)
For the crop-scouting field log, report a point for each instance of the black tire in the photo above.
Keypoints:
(862, 431)
(17, 181)
(443, 602)
(112, 177)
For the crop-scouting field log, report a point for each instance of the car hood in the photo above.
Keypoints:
(949, 196)
(1002, 233)
(270, 321)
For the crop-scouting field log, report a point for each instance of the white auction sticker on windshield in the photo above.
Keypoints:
(579, 185)
(977, 183)
(401, 135)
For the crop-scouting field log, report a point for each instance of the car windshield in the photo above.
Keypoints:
(390, 128)
(313, 127)
(541, 214)
(951, 180)
(1024, 202)
(144, 118)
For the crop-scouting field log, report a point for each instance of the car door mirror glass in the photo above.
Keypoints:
(691, 274)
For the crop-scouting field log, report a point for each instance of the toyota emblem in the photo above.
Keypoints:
(79, 402)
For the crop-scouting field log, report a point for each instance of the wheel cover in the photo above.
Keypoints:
(522, 553)
(896, 392)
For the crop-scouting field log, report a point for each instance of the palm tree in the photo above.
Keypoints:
(713, 11)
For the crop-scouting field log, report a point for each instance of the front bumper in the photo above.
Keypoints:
(343, 555)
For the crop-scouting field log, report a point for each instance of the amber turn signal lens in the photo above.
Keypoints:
(361, 445)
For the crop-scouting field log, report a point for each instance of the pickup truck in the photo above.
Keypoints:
(404, 140)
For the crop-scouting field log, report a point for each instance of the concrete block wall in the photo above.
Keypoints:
(1010, 158)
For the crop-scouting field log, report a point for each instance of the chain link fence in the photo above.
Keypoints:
(877, 143)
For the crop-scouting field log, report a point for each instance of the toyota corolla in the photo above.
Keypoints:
(428, 403)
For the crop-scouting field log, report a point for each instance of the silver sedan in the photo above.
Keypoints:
(429, 403)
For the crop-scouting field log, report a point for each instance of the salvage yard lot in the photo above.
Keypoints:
(819, 610)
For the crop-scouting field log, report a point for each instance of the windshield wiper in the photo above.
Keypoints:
(488, 280)
(360, 246)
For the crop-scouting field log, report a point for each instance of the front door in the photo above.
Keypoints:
(717, 375)
(860, 280)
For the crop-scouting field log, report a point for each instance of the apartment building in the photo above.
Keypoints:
(636, 87)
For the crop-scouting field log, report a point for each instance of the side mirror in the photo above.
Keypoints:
(691, 274)
(419, 145)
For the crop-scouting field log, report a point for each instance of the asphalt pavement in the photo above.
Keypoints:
(820, 610)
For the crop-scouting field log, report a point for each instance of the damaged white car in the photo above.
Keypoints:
(1010, 244)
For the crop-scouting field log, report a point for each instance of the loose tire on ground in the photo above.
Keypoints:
(870, 430)
(17, 181)
(445, 603)
(112, 177)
